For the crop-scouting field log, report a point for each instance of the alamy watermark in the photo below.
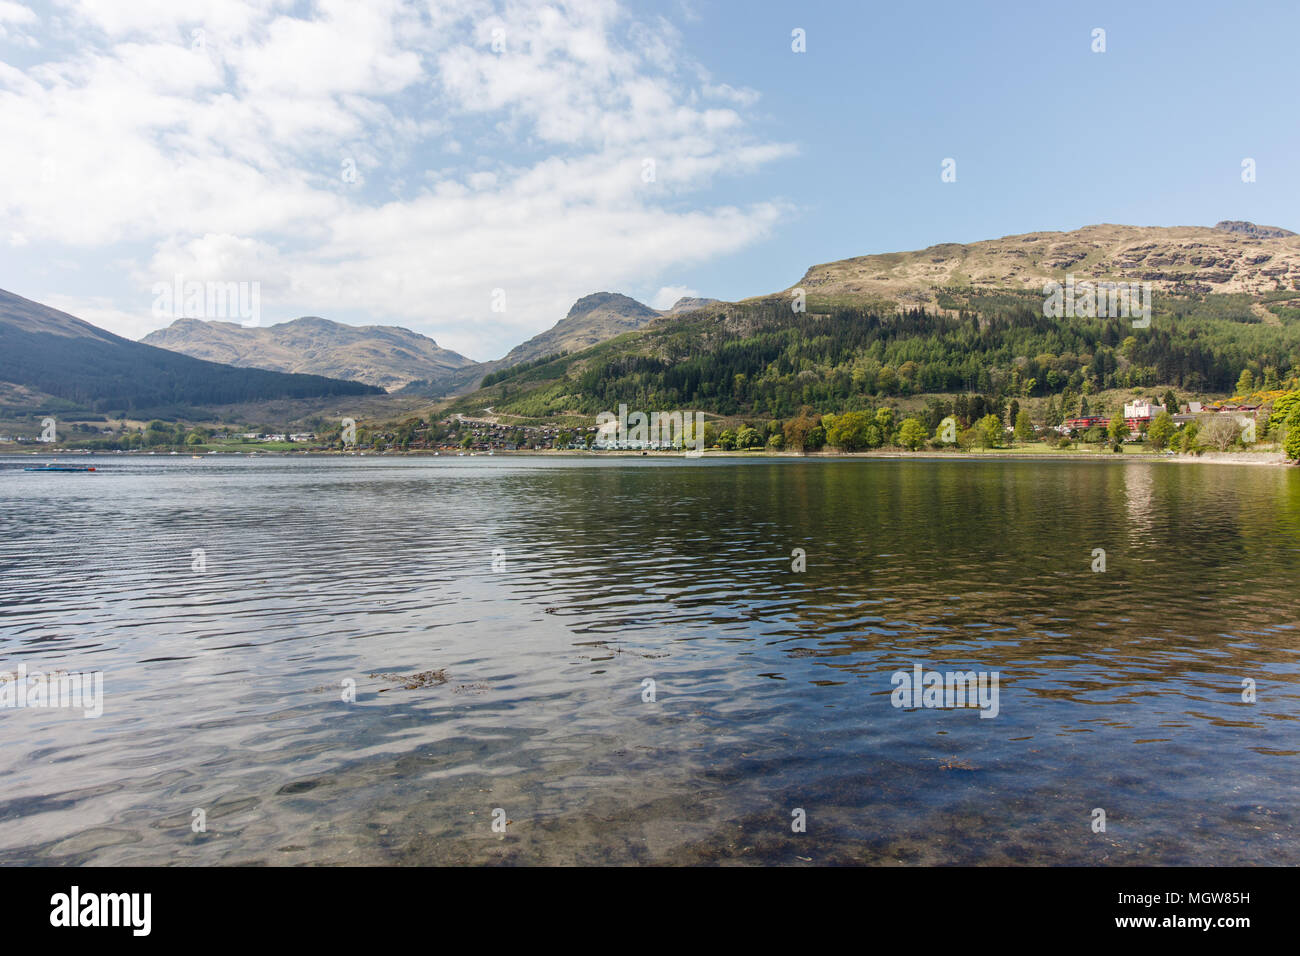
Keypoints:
(35, 689)
(237, 301)
(933, 689)
(1087, 299)
(658, 431)
(75, 908)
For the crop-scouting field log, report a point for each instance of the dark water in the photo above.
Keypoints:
(1119, 690)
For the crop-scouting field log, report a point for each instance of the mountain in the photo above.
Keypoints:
(47, 354)
(687, 304)
(953, 318)
(394, 358)
(1185, 260)
(592, 319)
(387, 356)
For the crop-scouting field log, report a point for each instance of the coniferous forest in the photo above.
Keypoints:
(766, 360)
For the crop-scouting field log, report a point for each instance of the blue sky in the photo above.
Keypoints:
(501, 149)
(1047, 134)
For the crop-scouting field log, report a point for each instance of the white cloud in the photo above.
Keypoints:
(223, 154)
(14, 19)
(11, 12)
(666, 297)
(744, 96)
(14, 16)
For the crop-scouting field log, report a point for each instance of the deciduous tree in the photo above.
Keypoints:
(911, 434)
(1161, 430)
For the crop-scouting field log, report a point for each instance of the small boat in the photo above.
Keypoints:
(61, 468)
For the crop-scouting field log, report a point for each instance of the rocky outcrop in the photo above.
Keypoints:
(1243, 228)
(1180, 259)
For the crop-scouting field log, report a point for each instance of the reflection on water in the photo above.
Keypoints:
(223, 687)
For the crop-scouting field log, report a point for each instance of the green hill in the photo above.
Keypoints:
(759, 358)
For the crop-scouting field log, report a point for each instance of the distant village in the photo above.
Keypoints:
(463, 435)
(448, 434)
(1140, 414)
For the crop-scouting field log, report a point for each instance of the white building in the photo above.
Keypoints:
(1142, 409)
(607, 439)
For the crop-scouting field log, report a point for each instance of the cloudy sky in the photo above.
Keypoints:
(469, 168)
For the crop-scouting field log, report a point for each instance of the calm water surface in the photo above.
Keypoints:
(223, 691)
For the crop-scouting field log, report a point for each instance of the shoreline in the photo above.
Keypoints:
(1274, 458)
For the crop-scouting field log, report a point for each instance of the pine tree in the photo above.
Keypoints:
(1024, 428)
(1053, 417)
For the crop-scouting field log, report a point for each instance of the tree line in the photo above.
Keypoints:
(772, 362)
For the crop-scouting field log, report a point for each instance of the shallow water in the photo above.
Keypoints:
(1119, 690)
